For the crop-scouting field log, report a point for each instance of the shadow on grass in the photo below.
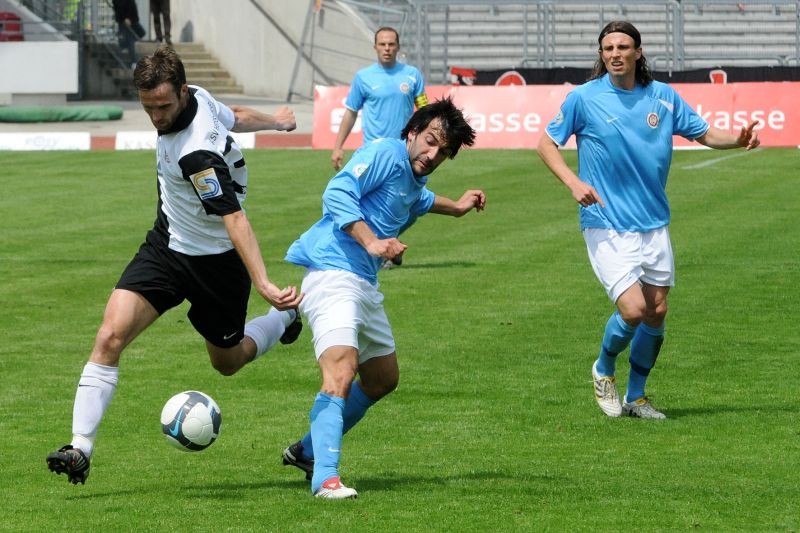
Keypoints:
(225, 491)
(718, 410)
(424, 266)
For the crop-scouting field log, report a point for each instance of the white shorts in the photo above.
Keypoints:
(621, 259)
(344, 309)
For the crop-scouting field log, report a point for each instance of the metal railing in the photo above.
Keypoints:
(78, 20)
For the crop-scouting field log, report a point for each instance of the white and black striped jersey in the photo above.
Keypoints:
(201, 177)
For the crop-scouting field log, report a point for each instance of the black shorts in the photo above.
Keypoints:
(217, 286)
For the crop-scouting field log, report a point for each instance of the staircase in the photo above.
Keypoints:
(202, 68)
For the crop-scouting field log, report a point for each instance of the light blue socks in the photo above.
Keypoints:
(644, 352)
(326, 434)
(354, 410)
(615, 339)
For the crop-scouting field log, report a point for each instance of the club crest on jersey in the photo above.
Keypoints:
(359, 169)
(206, 184)
(652, 120)
(404, 88)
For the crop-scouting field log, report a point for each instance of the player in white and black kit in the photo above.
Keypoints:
(201, 249)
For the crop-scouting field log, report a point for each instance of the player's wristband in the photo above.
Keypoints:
(421, 100)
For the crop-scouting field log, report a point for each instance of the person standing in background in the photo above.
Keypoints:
(160, 10)
(129, 30)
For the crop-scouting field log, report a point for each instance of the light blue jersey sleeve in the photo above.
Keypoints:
(376, 186)
(624, 143)
(363, 174)
(357, 94)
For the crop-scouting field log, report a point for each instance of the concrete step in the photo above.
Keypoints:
(201, 67)
(214, 85)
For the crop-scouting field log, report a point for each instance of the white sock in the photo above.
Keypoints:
(95, 391)
(266, 330)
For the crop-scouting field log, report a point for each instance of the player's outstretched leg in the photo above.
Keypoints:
(267, 330)
(70, 461)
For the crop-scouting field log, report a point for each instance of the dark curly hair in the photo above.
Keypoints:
(455, 127)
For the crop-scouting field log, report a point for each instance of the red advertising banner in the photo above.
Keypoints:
(516, 116)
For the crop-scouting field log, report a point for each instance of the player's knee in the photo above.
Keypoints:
(108, 342)
(224, 368)
(657, 314)
(224, 365)
(633, 316)
(376, 390)
(389, 385)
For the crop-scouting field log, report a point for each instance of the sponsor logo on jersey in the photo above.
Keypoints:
(404, 88)
(652, 120)
(206, 184)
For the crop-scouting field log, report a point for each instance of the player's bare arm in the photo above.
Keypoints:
(582, 192)
(345, 127)
(385, 248)
(747, 138)
(471, 199)
(244, 240)
(249, 119)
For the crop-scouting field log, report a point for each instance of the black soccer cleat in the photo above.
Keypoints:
(293, 455)
(389, 264)
(293, 330)
(70, 461)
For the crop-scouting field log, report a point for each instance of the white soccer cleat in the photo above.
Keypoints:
(605, 392)
(333, 489)
(642, 408)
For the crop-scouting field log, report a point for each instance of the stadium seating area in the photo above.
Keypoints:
(681, 35)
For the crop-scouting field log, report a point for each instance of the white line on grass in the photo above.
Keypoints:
(716, 160)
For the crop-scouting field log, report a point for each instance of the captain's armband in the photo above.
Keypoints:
(421, 100)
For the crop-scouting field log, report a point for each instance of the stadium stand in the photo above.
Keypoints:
(683, 35)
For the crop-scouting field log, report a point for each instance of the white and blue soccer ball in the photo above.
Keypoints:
(191, 421)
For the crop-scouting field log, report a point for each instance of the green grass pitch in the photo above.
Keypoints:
(497, 318)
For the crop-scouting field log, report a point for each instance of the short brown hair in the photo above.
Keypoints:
(164, 65)
(386, 28)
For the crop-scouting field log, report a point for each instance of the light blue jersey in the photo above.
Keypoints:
(625, 149)
(376, 186)
(387, 97)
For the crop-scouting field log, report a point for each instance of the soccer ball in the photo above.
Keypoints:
(191, 421)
